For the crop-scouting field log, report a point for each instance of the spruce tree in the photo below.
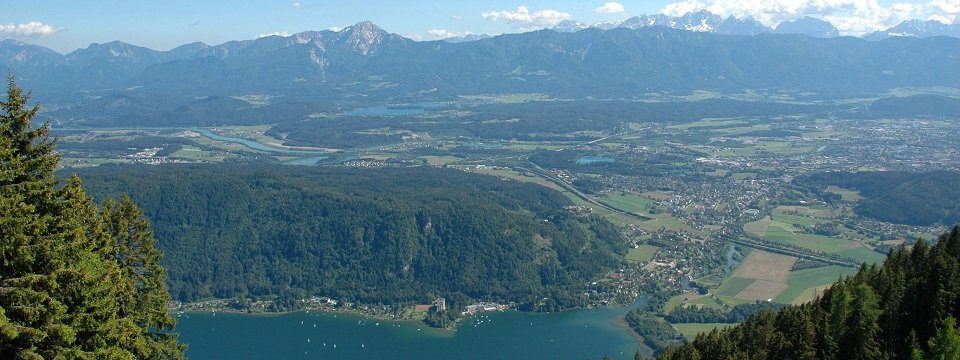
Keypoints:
(64, 290)
(946, 344)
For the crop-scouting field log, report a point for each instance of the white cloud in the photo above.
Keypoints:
(456, 17)
(275, 33)
(682, 7)
(525, 19)
(28, 30)
(851, 17)
(611, 7)
(444, 33)
(296, 4)
(948, 10)
(335, 28)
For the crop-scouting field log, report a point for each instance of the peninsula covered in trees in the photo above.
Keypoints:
(376, 236)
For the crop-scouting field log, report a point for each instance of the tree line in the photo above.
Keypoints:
(77, 281)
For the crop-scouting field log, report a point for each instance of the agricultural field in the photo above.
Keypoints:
(761, 276)
(440, 160)
(765, 276)
(630, 203)
(704, 302)
(806, 284)
(784, 228)
(681, 300)
(821, 212)
(667, 222)
(642, 253)
(691, 330)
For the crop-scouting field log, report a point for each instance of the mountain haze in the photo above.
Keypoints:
(366, 63)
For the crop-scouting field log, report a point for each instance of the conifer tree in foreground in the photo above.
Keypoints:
(75, 281)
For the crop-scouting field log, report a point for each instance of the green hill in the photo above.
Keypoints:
(921, 199)
(374, 236)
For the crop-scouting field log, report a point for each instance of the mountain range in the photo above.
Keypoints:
(361, 64)
(705, 21)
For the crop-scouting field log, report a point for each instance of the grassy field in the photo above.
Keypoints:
(732, 301)
(704, 302)
(441, 160)
(822, 212)
(761, 265)
(807, 284)
(681, 299)
(194, 153)
(629, 202)
(657, 195)
(642, 253)
(763, 290)
(845, 194)
(733, 286)
(794, 219)
(781, 229)
(690, 330)
(666, 222)
(864, 254)
(761, 276)
(744, 175)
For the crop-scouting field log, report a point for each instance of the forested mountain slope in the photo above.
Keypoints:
(389, 235)
(896, 196)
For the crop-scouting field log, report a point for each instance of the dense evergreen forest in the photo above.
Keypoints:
(896, 196)
(903, 309)
(373, 236)
(76, 281)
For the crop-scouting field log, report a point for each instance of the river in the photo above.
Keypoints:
(575, 334)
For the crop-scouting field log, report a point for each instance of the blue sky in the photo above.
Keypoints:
(65, 25)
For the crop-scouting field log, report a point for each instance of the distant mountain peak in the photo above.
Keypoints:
(569, 26)
(366, 27)
(697, 21)
(12, 42)
(917, 28)
(113, 49)
(363, 36)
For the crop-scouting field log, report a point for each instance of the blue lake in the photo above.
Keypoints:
(393, 110)
(577, 334)
(587, 160)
